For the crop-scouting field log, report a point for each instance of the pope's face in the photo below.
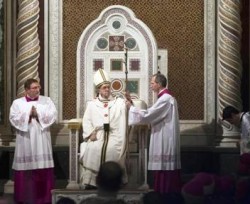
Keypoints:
(34, 90)
(104, 91)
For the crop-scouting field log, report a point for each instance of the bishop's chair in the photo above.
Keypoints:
(126, 49)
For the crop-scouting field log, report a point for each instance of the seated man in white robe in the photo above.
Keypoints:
(104, 132)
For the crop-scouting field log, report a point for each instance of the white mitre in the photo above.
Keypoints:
(101, 77)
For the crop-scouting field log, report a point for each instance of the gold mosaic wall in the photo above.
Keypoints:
(178, 26)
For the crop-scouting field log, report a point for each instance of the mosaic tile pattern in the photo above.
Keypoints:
(116, 43)
(178, 25)
(116, 64)
(134, 64)
(97, 63)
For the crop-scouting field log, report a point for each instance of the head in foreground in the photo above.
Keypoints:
(109, 178)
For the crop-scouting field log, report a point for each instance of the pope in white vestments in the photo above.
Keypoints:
(164, 149)
(104, 132)
(33, 163)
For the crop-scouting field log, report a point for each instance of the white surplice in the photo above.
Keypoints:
(97, 113)
(33, 141)
(164, 150)
(245, 133)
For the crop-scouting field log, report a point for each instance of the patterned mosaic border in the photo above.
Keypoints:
(81, 99)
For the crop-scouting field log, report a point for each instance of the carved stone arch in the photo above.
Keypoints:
(103, 44)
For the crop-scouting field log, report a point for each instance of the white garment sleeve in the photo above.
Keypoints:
(47, 113)
(19, 117)
(88, 128)
(245, 127)
(152, 115)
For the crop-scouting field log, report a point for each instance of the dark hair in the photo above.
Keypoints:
(29, 82)
(109, 177)
(228, 111)
(160, 79)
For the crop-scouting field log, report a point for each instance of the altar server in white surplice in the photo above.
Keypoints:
(164, 150)
(32, 116)
(104, 132)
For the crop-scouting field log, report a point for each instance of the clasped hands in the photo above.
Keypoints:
(33, 114)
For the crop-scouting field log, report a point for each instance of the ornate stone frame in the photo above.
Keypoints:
(189, 128)
(99, 25)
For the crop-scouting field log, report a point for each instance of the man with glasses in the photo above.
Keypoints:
(32, 116)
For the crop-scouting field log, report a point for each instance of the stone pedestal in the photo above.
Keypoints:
(74, 126)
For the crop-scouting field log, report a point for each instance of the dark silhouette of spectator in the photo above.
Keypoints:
(109, 178)
(152, 197)
(174, 198)
(109, 182)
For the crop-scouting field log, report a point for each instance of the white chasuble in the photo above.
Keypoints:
(107, 147)
(245, 133)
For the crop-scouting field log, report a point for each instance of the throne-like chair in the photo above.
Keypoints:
(125, 47)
